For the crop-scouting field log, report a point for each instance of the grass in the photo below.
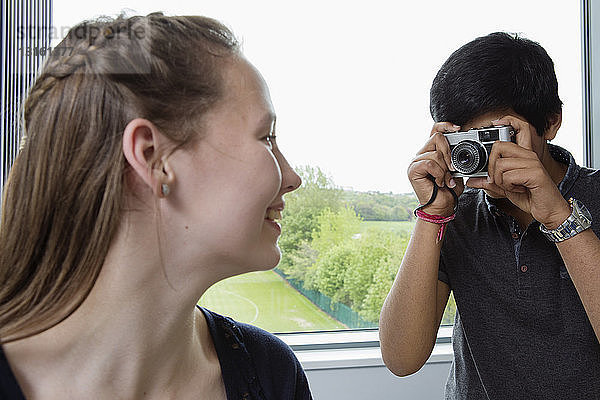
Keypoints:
(266, 300)
(401, 227)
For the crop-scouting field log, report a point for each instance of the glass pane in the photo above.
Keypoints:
(350, 83)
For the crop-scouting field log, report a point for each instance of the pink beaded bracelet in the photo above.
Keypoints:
(435, 219)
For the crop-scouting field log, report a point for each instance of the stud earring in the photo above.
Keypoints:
(164, 188)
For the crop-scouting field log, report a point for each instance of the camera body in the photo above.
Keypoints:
(470, 150)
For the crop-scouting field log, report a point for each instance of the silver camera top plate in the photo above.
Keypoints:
(470, 149)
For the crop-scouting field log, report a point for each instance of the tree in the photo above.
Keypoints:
(328, 273)
(375, 206)
(323, 246)
(357, 270)
(301, 260)
(317, 194)
(335, 226)
(383, 277)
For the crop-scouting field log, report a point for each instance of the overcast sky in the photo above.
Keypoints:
(350, 80)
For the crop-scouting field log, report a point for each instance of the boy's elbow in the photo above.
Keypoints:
(402, 372)
(401, 366)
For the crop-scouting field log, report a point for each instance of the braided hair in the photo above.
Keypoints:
(64, 195)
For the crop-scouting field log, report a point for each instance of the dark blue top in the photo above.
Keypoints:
(521, 331)
(254, 363)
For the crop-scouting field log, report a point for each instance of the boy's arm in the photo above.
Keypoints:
(413, 309)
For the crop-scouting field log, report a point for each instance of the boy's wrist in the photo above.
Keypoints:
(442, 212)
(558, 218)
(435, 219)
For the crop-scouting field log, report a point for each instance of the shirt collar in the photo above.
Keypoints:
(559, 154)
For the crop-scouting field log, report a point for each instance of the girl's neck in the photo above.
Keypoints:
(135, 335)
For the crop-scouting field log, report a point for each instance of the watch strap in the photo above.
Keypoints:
(578, 221)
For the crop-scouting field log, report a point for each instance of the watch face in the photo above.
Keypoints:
(582, 210)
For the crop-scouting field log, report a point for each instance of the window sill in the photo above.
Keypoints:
(353, 349)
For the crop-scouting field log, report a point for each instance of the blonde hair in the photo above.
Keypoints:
(64, 197)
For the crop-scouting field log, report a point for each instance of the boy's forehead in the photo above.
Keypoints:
(486, 119)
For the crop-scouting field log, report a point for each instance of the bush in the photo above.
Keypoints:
(359, 271)
(322, 245)
(299, 222)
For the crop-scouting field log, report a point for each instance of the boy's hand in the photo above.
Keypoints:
(516, 172)
(434, 159)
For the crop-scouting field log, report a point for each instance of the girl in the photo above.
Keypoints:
(149, 170)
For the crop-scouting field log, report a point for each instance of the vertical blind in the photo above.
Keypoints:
(25, 34)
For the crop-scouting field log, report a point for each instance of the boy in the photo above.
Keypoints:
(522, 255)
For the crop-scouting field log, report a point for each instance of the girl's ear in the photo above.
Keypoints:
(554, 124)
(164, 178)
(142, 142)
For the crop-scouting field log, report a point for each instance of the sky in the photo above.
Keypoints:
(350, 80)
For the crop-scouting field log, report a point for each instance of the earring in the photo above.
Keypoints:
(164, 188)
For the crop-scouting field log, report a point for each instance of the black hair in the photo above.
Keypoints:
(496, 72)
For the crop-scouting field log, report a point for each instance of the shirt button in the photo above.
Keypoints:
(523, 268)
(515, 235)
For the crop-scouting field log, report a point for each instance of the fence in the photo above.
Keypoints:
(339, 311)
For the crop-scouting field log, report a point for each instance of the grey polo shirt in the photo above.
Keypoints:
(521, 331)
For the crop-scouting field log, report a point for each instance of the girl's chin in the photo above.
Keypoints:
(273, 262)
(269, 261)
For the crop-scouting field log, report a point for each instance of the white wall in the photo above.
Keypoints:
(370, 383)
(591, 80)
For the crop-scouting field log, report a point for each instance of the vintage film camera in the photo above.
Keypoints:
(470, 150)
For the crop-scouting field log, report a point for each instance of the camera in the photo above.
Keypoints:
(470, 150)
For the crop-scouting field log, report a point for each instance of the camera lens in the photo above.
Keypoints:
(469, 157)
(465, 158)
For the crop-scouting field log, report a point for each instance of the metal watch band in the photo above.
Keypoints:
(579, 220)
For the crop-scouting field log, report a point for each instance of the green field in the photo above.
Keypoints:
(266, 300)
(394, 226)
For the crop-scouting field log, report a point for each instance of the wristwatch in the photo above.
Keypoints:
(579, 220)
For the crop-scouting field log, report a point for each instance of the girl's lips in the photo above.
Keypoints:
(274, 214)
(275, 225)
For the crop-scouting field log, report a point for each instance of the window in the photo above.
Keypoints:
(22, 35)
(350, 84)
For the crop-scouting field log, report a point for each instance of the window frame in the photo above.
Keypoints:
(355, 348)
(590, 61)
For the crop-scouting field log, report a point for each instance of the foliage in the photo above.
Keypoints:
(375, 206)
(300, 261)
(359, 270)
(450, 311)
(328, 273)
(334, 227)
(326, 246)
(299, 222)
